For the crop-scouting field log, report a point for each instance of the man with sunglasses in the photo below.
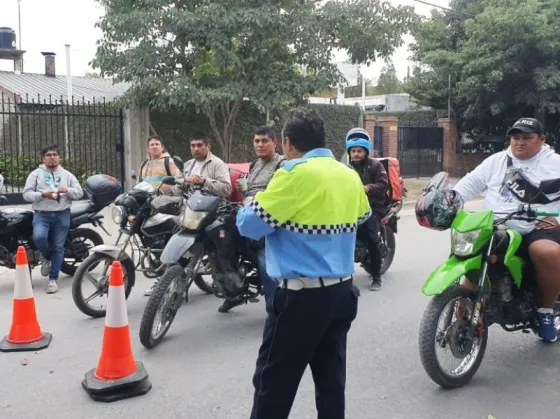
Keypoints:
(534, 161)
(51, 189)
(376, 185)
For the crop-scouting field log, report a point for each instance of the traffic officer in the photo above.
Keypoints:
(308, 214)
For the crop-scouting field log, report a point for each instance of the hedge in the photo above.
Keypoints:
(175, 127)
(422, 118)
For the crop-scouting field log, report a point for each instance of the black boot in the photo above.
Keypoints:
(376, 283)
(229, 304)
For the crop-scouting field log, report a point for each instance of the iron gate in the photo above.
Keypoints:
(89, 136)
(420, 151)
(378, 140)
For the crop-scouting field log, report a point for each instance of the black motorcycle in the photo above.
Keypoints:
(386, 239)
(16, 229)
(207, 229)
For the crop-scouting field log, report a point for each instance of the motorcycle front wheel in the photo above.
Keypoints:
(84, 276)
(166, 299)
(454, 306)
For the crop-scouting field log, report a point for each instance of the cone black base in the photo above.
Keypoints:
(42, 343)
(134, 385)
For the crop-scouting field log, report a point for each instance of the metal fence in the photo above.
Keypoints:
(420, 151)
(378, 140)
(89, 136)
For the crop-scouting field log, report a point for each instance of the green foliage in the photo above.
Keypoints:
(213, 54)
(175, 127)
(17, 168)
(424, 118)
(503, 62)
(388, 81)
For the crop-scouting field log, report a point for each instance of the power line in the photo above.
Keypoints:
(444, 8)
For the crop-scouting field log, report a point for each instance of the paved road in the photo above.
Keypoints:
(203, 368)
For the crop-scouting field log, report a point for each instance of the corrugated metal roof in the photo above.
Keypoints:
(39, 85)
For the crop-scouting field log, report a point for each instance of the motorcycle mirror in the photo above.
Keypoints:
(133, 174)
(179, 163)
(168, 180)
(3, 200)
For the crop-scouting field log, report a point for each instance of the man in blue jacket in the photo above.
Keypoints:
(308, 214)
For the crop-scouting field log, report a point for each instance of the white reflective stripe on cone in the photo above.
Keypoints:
(116, 309)
(22, 286)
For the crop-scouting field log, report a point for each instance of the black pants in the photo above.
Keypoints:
(369, 232)
(305, 327)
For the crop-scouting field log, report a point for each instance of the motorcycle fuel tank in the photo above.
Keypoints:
(159, 224)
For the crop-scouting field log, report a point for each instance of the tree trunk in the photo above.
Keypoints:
(224, 124)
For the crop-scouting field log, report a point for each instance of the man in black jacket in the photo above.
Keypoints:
(376, 185)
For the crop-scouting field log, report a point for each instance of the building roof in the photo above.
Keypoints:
(30, 86)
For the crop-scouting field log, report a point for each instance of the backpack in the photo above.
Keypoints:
(393, 170)
(167, 168)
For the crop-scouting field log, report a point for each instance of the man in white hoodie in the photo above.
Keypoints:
(529, 154)
(51, 189)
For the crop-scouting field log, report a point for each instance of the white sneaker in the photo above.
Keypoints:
(150, 289)
(52, 287)
(45, 267)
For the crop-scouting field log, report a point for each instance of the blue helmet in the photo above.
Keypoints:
(358, 137)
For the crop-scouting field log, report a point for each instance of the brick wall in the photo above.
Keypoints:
(456, 164)
(390, 126)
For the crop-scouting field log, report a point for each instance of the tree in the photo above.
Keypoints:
(388, 81)
(502, 61)
(214, 54)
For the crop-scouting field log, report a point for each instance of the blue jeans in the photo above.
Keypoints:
(53, 225)
(268, 284)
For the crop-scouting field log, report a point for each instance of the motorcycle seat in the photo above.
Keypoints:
(80, 209)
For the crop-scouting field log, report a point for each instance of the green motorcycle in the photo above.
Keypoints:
(457, 319)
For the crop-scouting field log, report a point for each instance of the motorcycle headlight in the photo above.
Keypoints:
(462, 243)
(192, 219)
(117, 214)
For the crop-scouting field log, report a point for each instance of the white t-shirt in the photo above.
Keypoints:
(490, 175)
(197, 167)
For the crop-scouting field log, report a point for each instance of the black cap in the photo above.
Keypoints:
(527, 125)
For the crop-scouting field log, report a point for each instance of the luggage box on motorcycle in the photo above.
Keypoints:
(102, 189)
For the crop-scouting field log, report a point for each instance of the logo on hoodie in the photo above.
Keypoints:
(52, 180)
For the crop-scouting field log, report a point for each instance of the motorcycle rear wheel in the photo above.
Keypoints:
(391, 244)
(429, 334)
(174, 283)
(87, 234)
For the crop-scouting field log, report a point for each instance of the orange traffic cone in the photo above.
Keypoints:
(25, 333)
(117, 376)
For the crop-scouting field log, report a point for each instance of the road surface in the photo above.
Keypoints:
(203, 369)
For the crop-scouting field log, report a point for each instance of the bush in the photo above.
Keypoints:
(424, 118)
(175, 127)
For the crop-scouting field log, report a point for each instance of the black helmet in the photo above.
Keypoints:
(438, 204)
